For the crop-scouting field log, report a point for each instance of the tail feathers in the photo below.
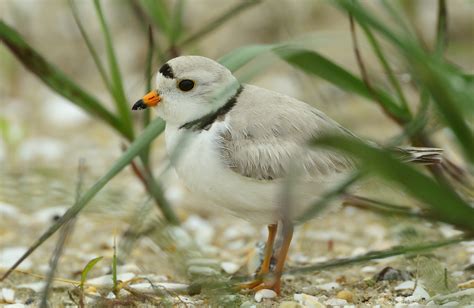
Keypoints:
(425, 156)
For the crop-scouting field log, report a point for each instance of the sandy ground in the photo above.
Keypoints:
(213, 246)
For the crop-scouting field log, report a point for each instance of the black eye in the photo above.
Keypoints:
(186, 85)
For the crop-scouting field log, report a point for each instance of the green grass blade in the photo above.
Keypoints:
(452, 94)
(116, 77)
(90, 46)
(380, 254)
(89, 266)
(216, 23)
(386, 67)
(442, 28)
(241, 56)
(393, 9)
(176, 23)
(313, 63)
(114, 269)
(446, 205)
(159, 14)
(327, 197)
(56, 79)
(155, 128)
(446, 97)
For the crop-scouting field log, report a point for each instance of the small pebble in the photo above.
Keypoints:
(368, 269)
(8, 295)
(399, 299)
(307, 300)
(107, 281)
(8, 210)
(336, 302)
(419, 294)
(448, 231)
(230, 267)
(466, 285)
(264, 293)
(406, 285)
(300, 258)
(346, 295)
(202, 271)
(202, 231)
(110, 295)
(390, 273)
(329, 286)
(358, 251)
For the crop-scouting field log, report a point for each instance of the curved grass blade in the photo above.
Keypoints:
(366, 79)
(116, 77)
(329, 196)
(386, 67)
(446, 205)
(90, 46)
(314, 63)
(56, 79)
(89, 266)
(380, 254)
(155, 128)
(241, 56)
(453, 96)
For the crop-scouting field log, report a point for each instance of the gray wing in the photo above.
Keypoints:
(267, 135)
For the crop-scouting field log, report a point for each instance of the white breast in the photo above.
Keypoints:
(195, 157)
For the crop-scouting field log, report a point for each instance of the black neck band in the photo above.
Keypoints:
(206, 121)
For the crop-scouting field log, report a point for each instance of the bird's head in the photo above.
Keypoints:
(188, 88)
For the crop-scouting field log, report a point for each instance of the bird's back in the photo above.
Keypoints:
(268, 135)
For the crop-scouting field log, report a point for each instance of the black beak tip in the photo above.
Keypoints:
(139, 105)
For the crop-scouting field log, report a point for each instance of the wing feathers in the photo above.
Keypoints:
(267, 135)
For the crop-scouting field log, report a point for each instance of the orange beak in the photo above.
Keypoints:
(150, 100)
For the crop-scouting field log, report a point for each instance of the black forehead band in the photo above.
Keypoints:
(167, 71)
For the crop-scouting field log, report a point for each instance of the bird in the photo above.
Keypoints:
(239, 145)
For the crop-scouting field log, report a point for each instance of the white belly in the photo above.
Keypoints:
(196, 159)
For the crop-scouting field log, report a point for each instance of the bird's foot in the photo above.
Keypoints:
(259, 284)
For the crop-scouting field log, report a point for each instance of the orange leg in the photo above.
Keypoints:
(275, 284)
(267, 257)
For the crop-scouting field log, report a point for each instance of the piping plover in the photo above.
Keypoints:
(239, 143)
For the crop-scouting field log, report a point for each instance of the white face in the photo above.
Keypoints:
(182, 104)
